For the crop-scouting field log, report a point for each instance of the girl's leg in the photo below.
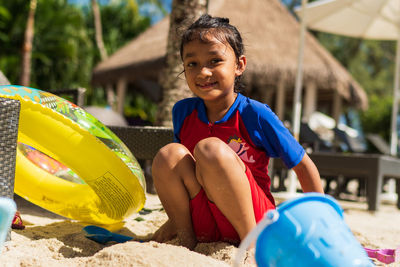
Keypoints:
(221, 173)
(175, 181)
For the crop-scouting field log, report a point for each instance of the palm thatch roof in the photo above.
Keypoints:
(271, 38)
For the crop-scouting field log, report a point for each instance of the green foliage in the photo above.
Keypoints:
(62, 47)
(371, 63)
(377, 118)
(121, 22)
(12, 26)
(64, 51)
(139, 107)
(59, 49)
(373, 67)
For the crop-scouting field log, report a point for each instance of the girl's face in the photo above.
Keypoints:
(211, 68)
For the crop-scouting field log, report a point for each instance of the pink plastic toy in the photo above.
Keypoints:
(386, 256)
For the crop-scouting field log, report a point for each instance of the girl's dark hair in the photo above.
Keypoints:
(220, 29)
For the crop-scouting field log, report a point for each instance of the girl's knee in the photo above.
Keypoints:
(212, 150)
(213, 156)
(168, 156)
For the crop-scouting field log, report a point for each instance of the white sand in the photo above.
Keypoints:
(51, 240)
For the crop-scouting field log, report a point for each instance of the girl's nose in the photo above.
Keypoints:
(205, 72)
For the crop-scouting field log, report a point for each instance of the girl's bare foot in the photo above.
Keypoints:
(187, 239)
(165, 233)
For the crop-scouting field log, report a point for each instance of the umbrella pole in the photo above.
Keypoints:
(299, 74)
(391, 195)
(393, 136)
(292, 186)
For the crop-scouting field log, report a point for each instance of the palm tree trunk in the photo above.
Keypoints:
(98, 29)
(27, 46)
(175, 88)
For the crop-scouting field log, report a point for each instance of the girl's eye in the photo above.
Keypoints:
(215, 61)
(191, 64)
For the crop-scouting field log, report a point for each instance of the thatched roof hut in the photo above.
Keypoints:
(271, 37)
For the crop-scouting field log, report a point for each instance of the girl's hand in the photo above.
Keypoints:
(165, 233)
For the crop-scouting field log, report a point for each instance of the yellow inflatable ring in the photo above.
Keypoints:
(114, 185)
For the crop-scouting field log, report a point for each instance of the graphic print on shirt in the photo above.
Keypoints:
(240, 147)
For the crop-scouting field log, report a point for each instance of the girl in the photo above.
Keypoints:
(213, 180)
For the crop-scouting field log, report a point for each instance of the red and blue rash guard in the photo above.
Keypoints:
(249, 127)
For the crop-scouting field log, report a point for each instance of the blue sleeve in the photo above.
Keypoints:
(268, 132)
(180, 111)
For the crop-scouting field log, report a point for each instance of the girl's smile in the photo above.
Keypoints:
(207, 85)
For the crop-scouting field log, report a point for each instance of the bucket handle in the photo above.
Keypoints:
(270, 217)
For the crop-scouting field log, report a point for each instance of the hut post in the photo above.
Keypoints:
(280, 98)
(121, 91)
(310, 100)
(111, 100)
(337, 106)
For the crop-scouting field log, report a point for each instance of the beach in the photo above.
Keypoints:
(52, 240)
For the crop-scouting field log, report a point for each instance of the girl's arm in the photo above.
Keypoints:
(308, 175)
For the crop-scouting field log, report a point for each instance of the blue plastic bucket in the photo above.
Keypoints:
(7, 211)
(306, 231)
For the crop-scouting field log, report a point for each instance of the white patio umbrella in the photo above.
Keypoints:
(367, 19)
